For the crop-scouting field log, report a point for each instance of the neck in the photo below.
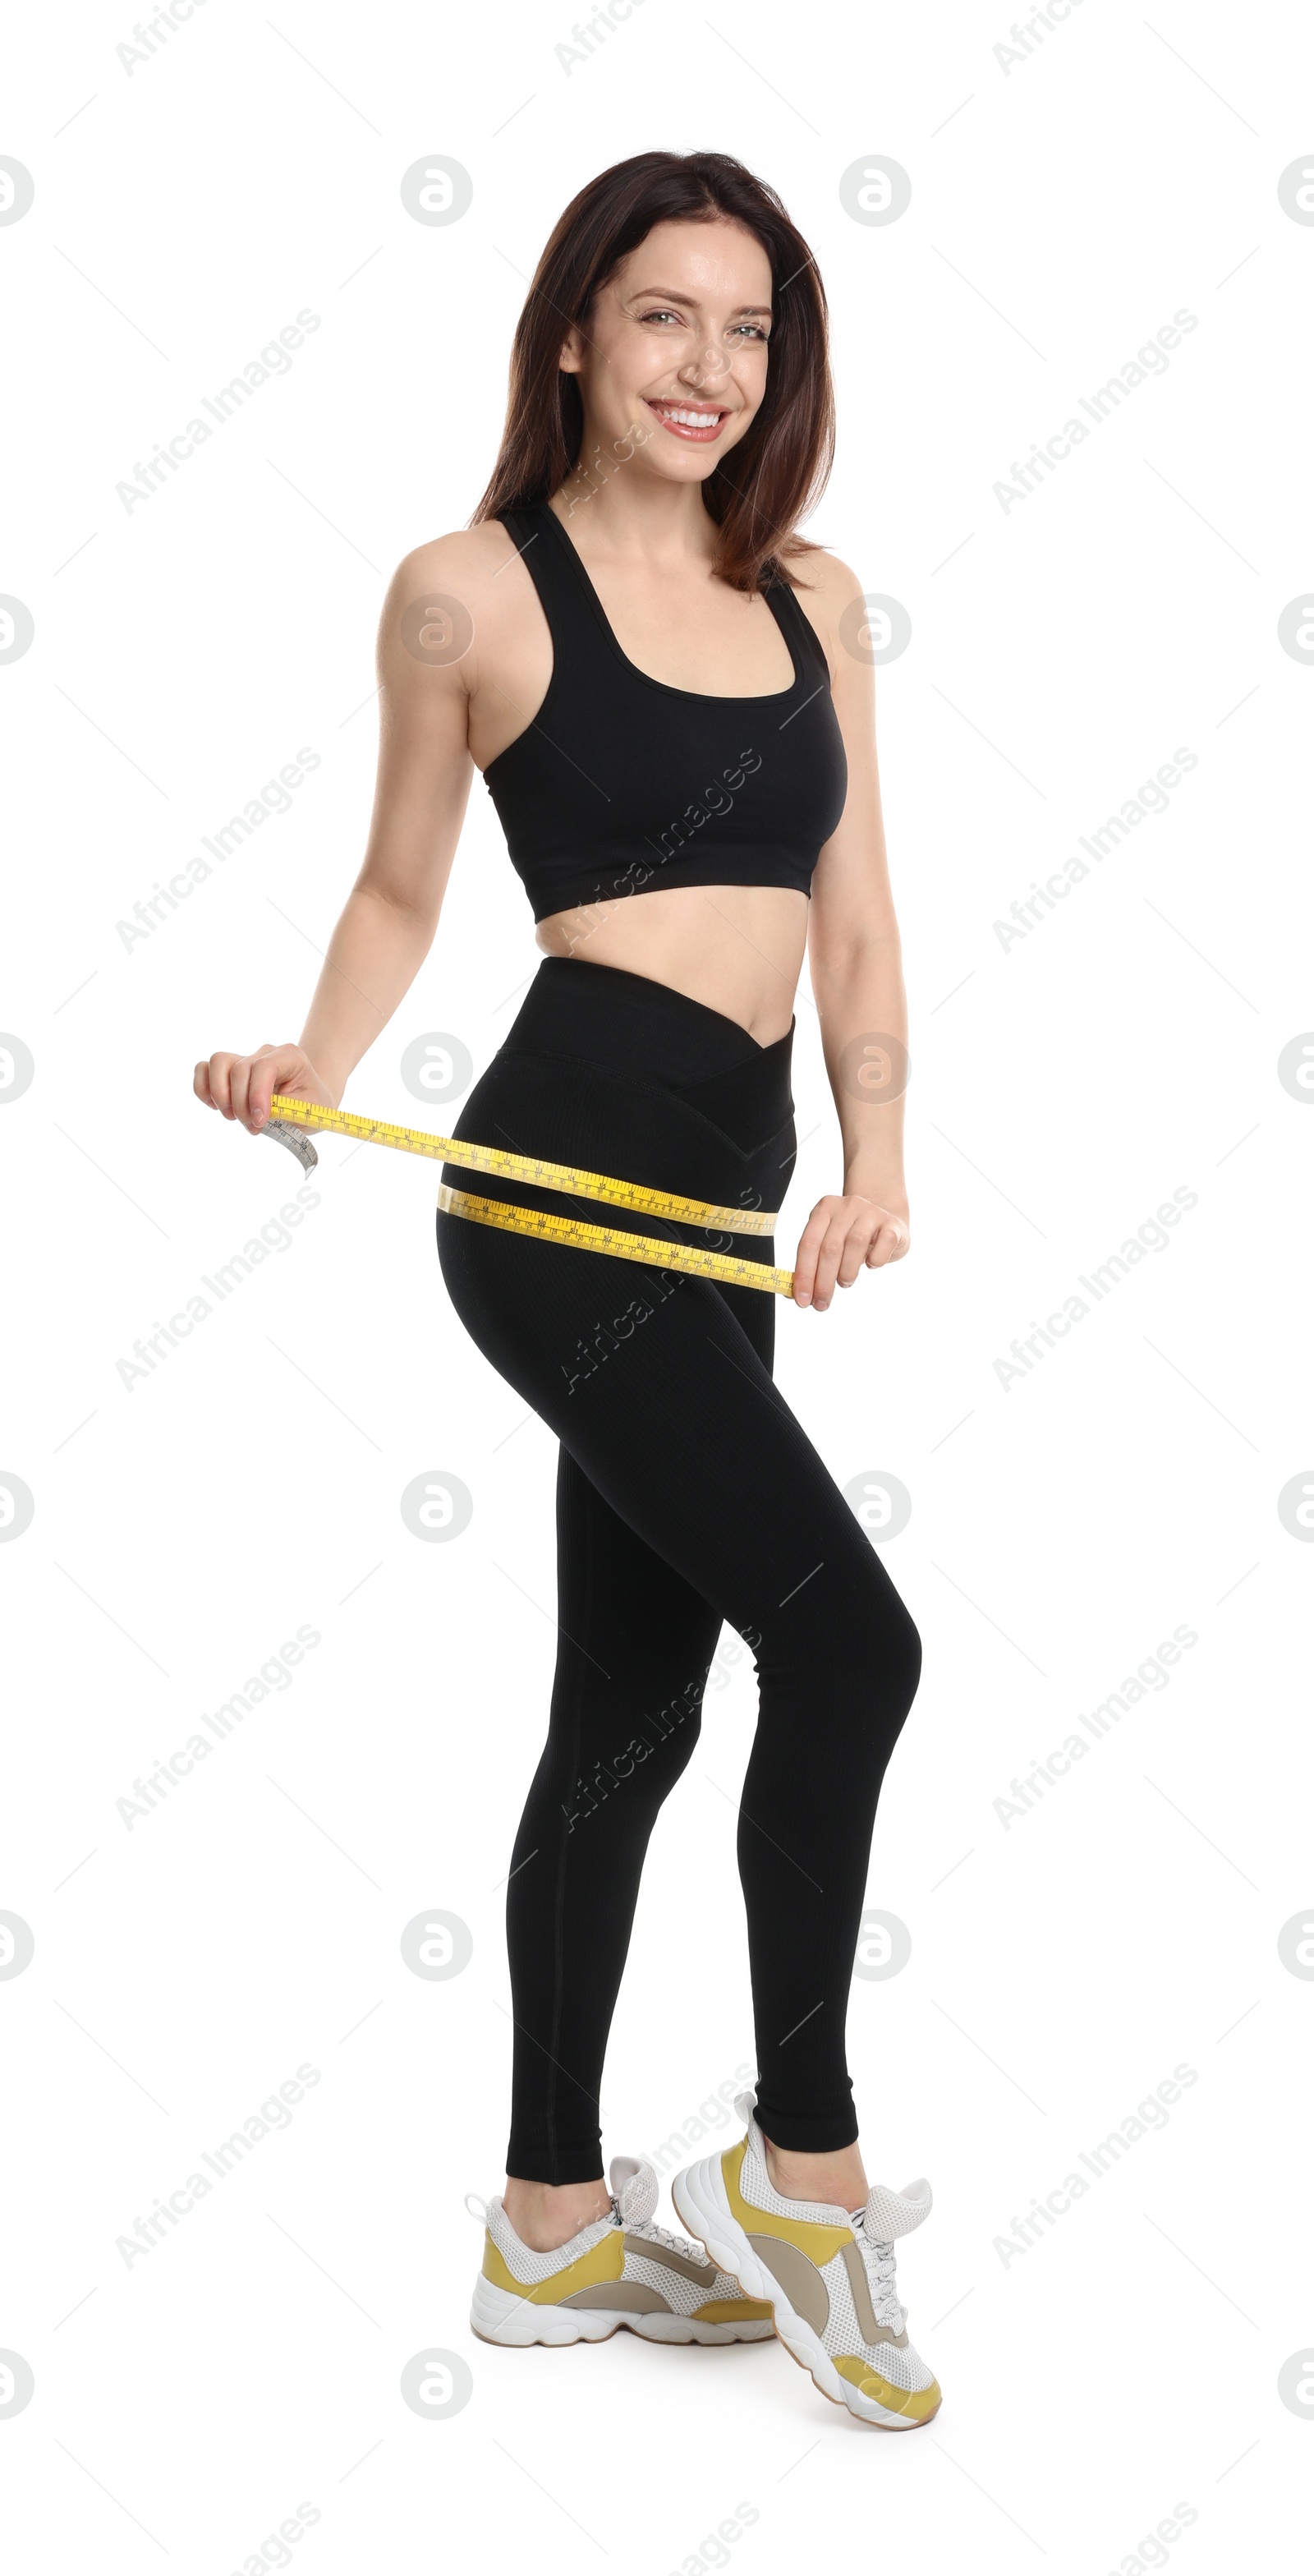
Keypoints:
(621, 505)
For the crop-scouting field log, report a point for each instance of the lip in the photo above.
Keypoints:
(716, 420)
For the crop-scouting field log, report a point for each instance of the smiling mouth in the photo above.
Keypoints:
(699, 422)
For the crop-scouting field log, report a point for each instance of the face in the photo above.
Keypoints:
(676, 346)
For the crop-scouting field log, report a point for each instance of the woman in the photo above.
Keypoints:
(681, 751)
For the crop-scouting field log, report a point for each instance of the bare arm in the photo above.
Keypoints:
(856, 965)
(386, 926)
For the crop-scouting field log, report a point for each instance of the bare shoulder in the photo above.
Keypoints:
(466, 559)
(447, 609)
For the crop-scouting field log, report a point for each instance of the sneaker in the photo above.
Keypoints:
(620, 2270)
(828, 2272)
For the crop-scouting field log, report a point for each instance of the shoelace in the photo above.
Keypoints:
(878, 2264)
(656, 2235)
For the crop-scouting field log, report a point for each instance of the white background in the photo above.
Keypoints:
(1063, 208)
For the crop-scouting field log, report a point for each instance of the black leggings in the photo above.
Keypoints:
(687, 1495)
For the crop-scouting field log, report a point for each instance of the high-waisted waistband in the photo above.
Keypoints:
(604, 1015)
(614, 1072)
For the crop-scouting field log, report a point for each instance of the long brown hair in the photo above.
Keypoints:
(780, 466)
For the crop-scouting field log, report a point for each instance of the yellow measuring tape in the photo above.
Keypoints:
(571, 1182)
(608, 1238)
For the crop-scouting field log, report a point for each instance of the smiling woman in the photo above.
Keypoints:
(693, 390)
(641, 653)
(679, 273)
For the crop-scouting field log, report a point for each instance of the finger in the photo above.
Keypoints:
(805, 1259)
(201, 1083)
(265, 1079)
(828, 1263)
(863, 1234)
(219, 1073)
(856, 1242)
(888, 1244)
(853, 1257)
(805, 1271)
(239, 1084)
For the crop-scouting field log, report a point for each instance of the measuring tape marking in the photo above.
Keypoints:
(573, 1232)
(563, 1177)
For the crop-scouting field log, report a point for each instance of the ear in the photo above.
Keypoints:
(572, 352)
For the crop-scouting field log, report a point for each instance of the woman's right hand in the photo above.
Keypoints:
(241, 1086)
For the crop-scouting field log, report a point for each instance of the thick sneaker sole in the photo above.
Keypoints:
(497, 2316)
(700, 2198)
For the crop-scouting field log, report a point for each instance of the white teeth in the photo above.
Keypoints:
(690, 419)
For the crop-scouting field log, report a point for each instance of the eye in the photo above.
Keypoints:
(660, 313)
(753, 330)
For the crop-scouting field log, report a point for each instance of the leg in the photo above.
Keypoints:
(680, 1430)
(634, 1647)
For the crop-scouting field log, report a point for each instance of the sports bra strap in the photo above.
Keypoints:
(797, 626)
(552, 564)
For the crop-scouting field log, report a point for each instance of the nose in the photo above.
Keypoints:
(708, 361)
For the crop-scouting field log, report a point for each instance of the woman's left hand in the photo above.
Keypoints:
(843, 1236)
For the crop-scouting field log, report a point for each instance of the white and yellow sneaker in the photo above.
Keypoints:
(829, 2274)
(621, 2270)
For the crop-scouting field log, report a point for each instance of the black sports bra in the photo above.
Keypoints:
(622, 784)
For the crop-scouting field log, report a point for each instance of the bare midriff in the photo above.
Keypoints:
(737, 949)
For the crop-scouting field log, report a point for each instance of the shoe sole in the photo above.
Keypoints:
(497, 2316)
(700, 2199)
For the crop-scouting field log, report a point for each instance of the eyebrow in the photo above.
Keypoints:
(674, 295)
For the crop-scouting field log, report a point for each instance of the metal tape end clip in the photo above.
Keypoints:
(296, 1140)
